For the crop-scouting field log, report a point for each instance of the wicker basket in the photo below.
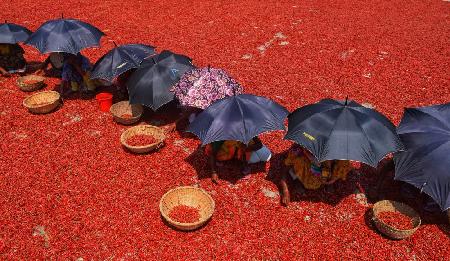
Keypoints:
(393, 206)
(124, 107)
(42, 102)
(26, 87)
(154, 131)
(188, 196)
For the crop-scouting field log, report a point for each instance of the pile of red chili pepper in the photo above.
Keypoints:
(68, 190)
(141, 140)
(31, 81)
(126, 116)
(184, 214)
(396, 220)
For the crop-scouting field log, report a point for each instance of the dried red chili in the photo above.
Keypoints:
(184, 214)
(141, 140)
(126, 116)
(396, 220)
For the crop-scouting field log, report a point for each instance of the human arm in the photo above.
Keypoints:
(4, 72)
(284, 189)
(212, 164)
(43, 66)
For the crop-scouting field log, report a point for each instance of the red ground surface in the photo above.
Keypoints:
(68, 189)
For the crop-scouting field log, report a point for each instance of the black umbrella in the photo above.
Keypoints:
(121, 59)
(65, 35)
(425, 164)
(343, 130)
(150, 84)
(13, 33)
(239, 118)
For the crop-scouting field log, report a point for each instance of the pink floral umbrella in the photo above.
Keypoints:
(202, 86)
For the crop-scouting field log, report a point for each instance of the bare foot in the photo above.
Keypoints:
(285, 198)
(215, 178)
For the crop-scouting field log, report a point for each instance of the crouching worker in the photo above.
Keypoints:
(221, 151)
(76, 73)
(301, 165)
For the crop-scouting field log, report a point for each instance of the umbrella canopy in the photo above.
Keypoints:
(121, 59)
(150, 84)
(65, 35)
(201, 87)
(239, 118)
(343, 130)
(425, 164)
(13, 33)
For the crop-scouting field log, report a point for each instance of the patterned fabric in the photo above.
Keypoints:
(201, 87)
(11, 57)
(303, 170)
(228, 150)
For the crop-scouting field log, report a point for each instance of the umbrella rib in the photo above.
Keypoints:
(242, 115)
(365, 136)
(332, 129)
(271, 112)
(441, 121)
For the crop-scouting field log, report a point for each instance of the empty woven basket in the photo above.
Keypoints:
(393, 206)
(188, 196)
(122, 109)
(42, 102)
(151, 130)
(31, 83)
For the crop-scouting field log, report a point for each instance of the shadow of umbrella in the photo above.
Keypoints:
(343, 189)
(230, 171)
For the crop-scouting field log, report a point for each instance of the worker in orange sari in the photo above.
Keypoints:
(221, 151)
(302, 166)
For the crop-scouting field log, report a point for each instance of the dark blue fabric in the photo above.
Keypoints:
(65, 35)
(150, 84)
(425, 164)
(239, 118)
(341, 130)
(13, 33)
(120, 60)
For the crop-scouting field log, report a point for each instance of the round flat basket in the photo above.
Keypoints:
(126, 113)
(31, 83)
(188, 196)
(151, 130)
(393, 206)
(42, 102)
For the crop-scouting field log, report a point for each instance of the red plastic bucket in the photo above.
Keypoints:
(105, 100)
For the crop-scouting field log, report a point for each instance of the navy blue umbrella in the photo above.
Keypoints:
(150, 84)
(13, 33)
(65, 35)
(121, 59)
(240, 118)
(425, 164)
(343, 130)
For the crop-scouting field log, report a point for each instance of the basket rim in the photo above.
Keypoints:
(213, 206)
(21, 78)
(24, 102)
(377, 219)
(124, 141)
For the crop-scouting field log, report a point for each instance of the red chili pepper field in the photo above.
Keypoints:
(69, 191)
